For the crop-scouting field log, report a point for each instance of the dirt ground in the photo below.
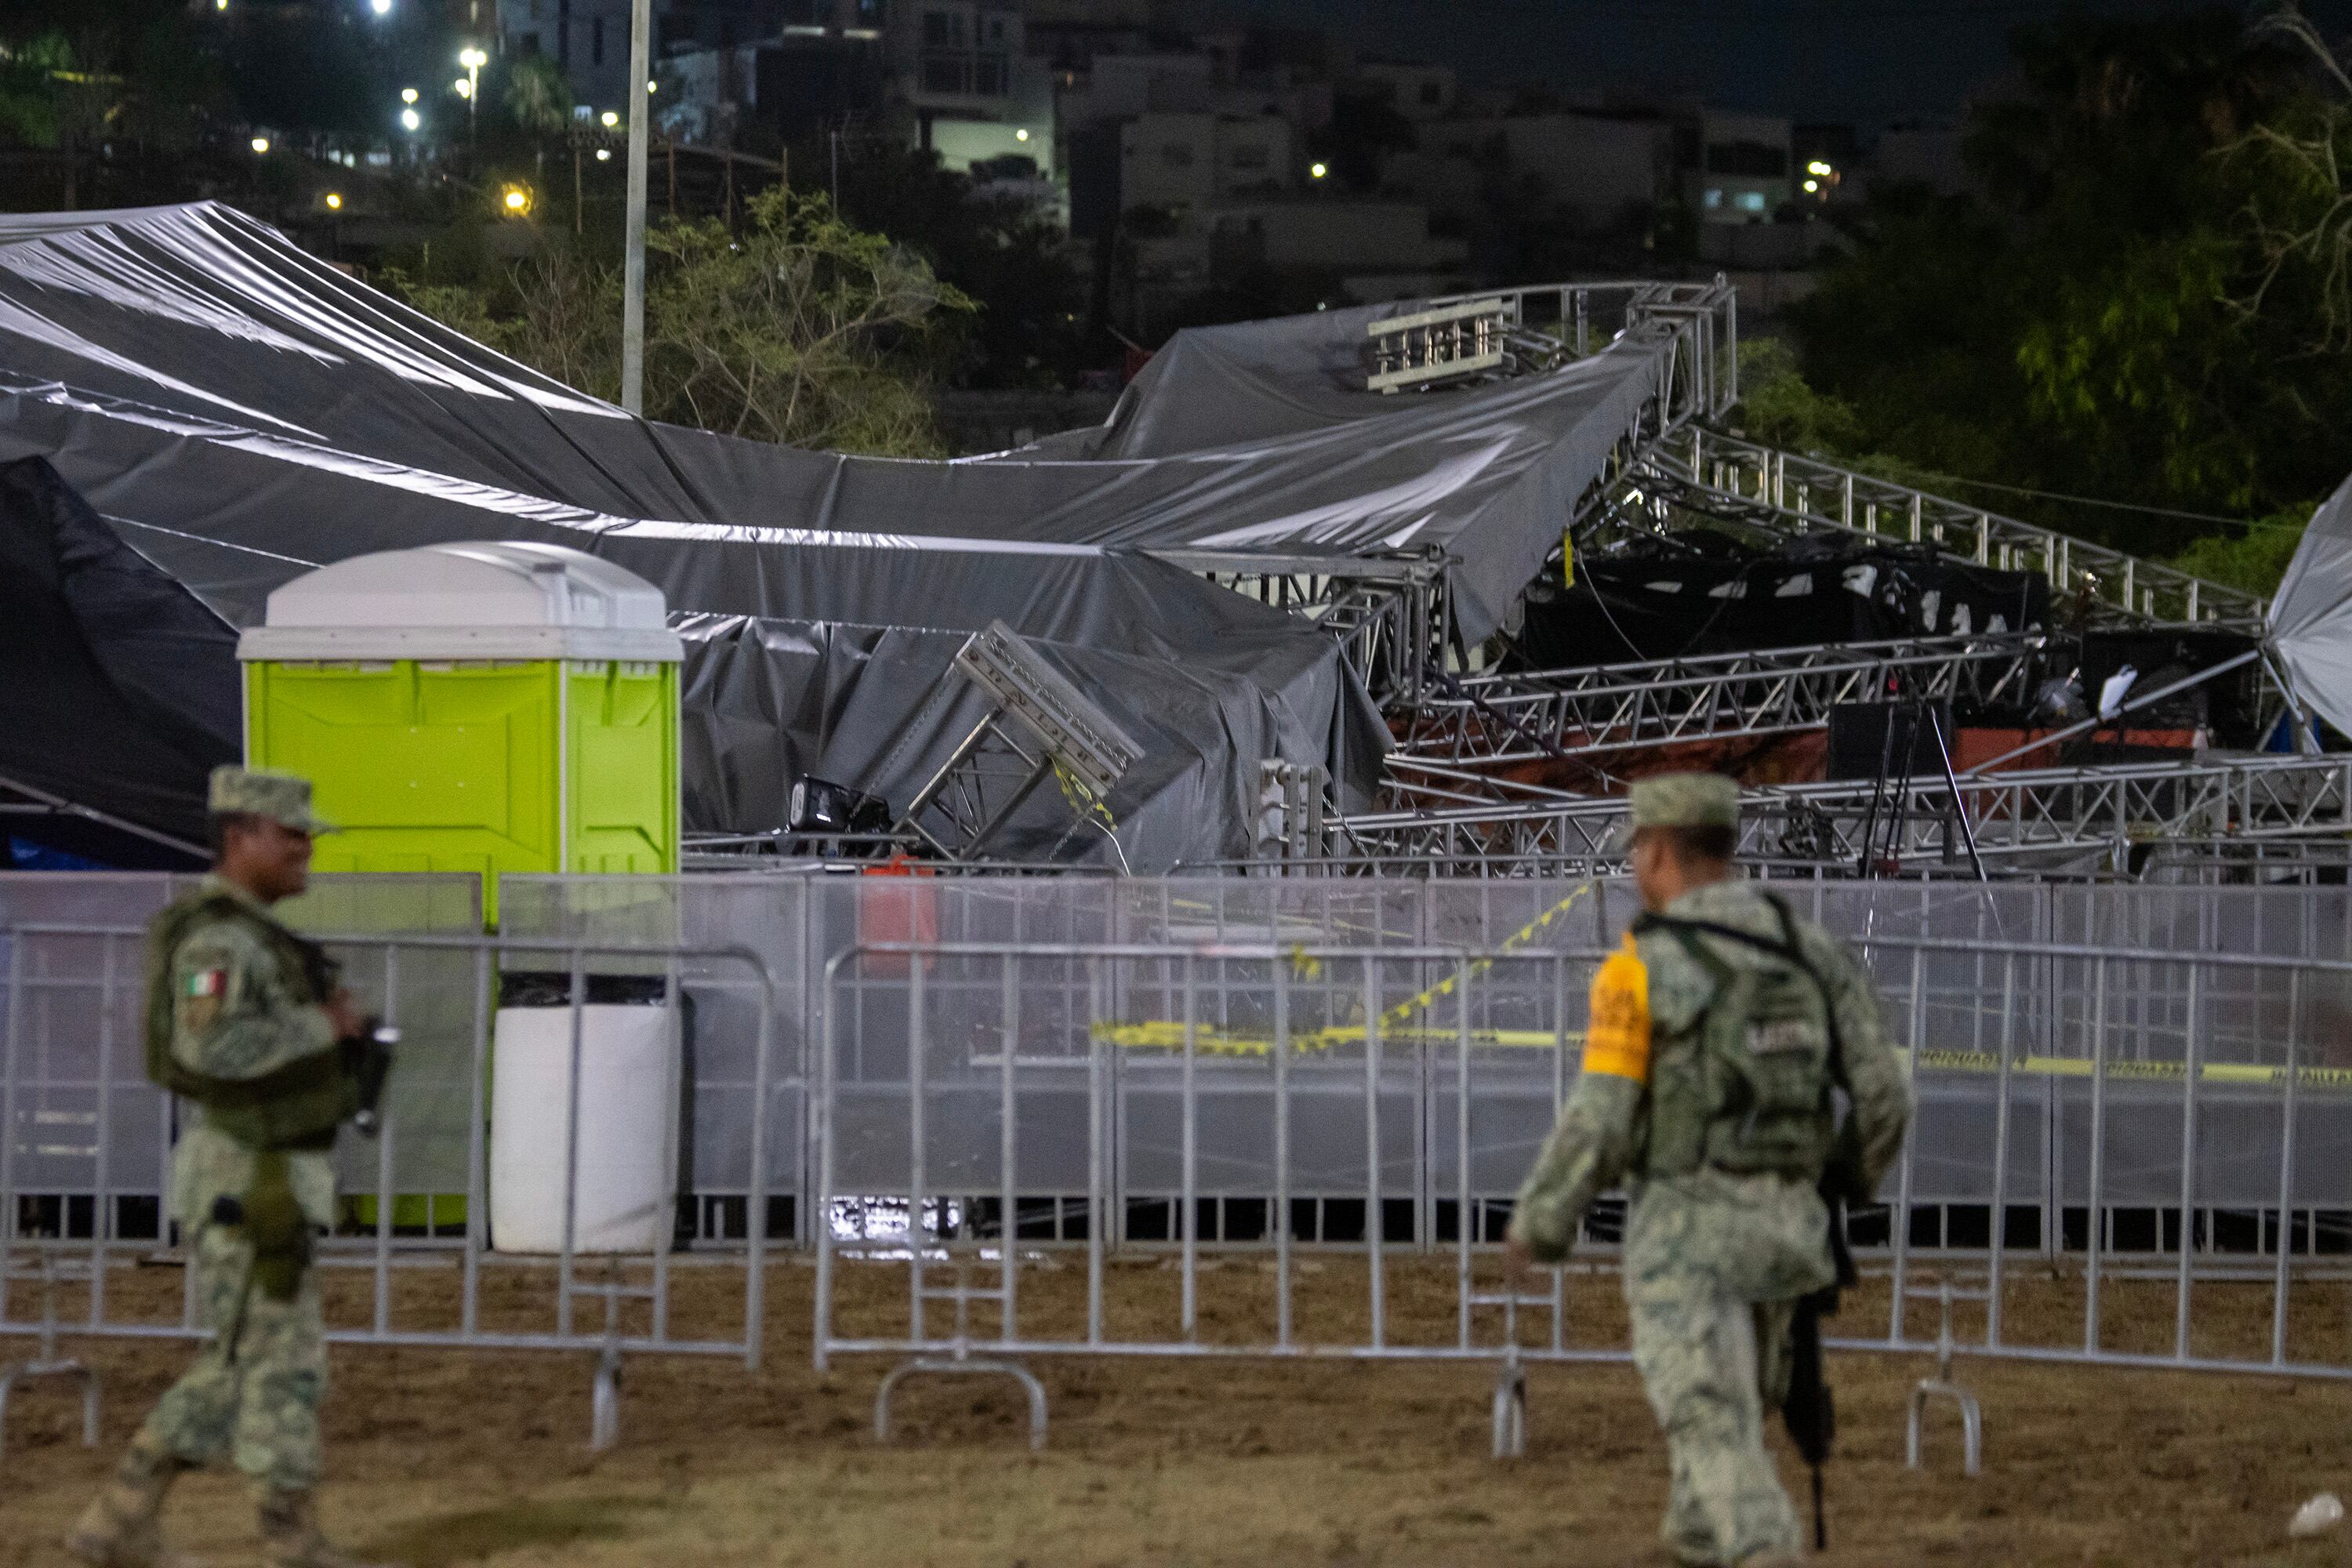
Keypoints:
(462, 1457)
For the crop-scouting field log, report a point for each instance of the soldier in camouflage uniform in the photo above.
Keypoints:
(243, 1020)
(1708, 1068)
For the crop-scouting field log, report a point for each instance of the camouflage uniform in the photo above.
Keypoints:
(1715, 1262)
(237, 1020)
(253, 1396)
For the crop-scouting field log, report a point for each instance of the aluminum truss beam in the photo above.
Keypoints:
(23, 801)
(1391, 612)
(2050, 817)
(1529, 715)
(1701, 470)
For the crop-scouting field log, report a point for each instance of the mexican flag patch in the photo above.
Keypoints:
(208, 982)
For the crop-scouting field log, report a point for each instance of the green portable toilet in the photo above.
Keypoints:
(482, 708)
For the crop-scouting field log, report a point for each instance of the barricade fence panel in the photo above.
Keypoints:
(2135, 1087)
(2145, 1124)
(562, 1237)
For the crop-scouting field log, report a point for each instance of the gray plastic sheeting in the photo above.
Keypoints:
(1282, 451)
(2311, 614)
(240, 412)
(768, 700)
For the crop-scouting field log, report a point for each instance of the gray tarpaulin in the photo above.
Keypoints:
(2311, 613)
(240, 412)
(768, 700)
(1250, 438)
(1273, 445)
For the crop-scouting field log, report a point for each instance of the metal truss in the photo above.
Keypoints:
(1503, 333)
(24, 801)
(1698, 473)
(2050, 818)
(1393, 612)
(1529, 715)
(1040, 723)
(1391, 615)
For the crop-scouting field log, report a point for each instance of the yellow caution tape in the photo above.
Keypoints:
(1168, 1034)
(2133, 1072)
(1512, 943)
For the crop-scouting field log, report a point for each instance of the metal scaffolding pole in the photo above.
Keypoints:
(633, 266)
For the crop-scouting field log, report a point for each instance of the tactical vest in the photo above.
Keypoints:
(1745, 1087)
(299, 1105)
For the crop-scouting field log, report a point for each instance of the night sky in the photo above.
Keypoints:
(1867, 63)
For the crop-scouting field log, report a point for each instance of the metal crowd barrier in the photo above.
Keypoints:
(86, 1147)
(2142, 1122)
(2094, 1064)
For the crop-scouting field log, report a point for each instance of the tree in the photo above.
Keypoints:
(796, 328)
(1030, 331)
(800, 330)
(2112, 311)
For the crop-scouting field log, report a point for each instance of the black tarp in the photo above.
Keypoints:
(1255, 438)
(767, 701)
(1654, 603)
(121, 690)
(1276, 447)
(238, 412)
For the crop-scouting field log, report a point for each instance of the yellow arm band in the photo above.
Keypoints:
(1618, 1040)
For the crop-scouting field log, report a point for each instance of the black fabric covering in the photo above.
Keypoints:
(1654, 605)
(1260, 436)
(770, 700)
(120, 690)
(241, 413)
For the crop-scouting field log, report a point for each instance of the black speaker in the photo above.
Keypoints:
(1868, 737)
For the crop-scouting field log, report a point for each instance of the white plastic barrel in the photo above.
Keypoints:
(628, 1101)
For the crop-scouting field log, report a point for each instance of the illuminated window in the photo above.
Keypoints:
(1751, 200)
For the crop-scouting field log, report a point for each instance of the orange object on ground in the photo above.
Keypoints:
(904, 911)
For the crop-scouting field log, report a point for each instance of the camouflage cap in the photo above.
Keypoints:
(1679, 800)
(283, 797)
(1686, 800)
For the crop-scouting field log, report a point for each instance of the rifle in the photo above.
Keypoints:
(368, 1055)
(1808, 1407)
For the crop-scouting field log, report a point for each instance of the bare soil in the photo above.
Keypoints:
(445, 1458)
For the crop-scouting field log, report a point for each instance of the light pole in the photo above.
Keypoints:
(473, 59)
(633, 261)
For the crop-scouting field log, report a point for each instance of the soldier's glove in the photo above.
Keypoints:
(367, 1057)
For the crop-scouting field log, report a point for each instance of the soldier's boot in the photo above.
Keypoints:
(289, 1533)
(121, 1529)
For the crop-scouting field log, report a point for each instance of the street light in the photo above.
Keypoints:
(334, 202)
(261, 145)
(609, 118)
(1316, 171)
(514, 199)
(408, 95)
(1021, 136)
(473, 59)
(380, 7)
(1812, 186)
(410, 119)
